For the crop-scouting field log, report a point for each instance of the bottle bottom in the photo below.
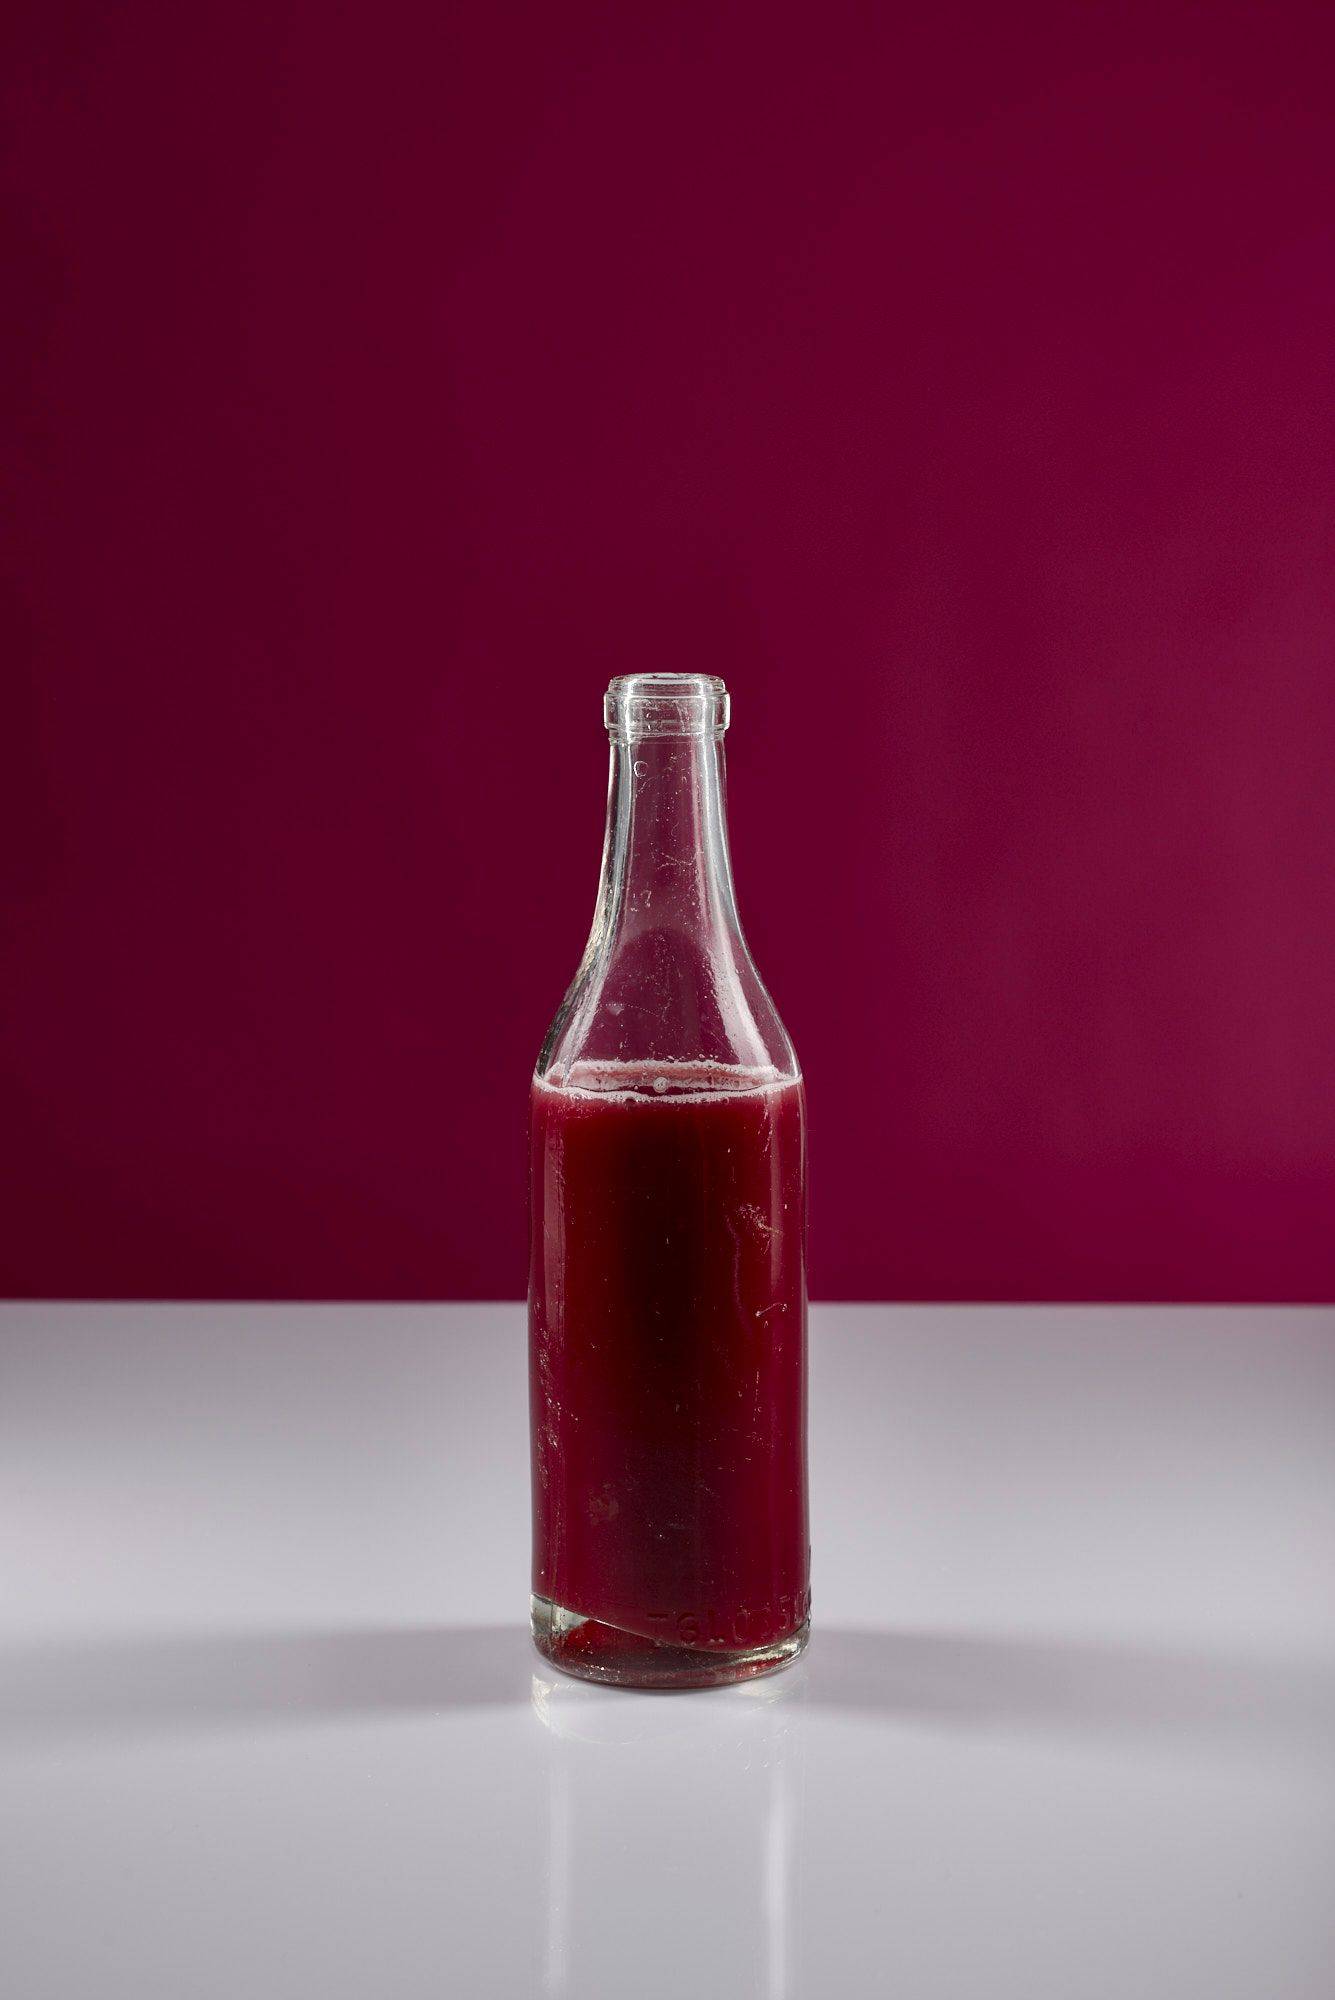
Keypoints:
(593, 1651)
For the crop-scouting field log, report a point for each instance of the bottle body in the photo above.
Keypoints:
(667, 1283)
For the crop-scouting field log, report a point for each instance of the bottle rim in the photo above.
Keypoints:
(641, 705)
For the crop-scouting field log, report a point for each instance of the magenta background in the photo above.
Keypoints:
(954, 381)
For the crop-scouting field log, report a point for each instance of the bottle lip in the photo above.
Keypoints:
(640, 705)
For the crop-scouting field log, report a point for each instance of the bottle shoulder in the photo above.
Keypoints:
(671, 1000)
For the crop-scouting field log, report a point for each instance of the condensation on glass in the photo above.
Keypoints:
(667, 1295)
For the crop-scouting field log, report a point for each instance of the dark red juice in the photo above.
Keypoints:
(668, 1349)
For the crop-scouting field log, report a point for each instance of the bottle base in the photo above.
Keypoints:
(592, 1651)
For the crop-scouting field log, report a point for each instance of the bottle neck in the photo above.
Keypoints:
(666, 977)
(666, 867)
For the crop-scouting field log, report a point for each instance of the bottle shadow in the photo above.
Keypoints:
(128, 1686)
(121, 1688)
(1065, 1687)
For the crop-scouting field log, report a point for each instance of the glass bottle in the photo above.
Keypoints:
(667, 1293)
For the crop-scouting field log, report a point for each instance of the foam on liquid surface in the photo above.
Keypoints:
(645, 1082)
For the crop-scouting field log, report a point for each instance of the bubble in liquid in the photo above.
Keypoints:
(660, 1084)
(640, 767)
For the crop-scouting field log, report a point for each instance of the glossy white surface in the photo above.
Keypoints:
(271, 1725)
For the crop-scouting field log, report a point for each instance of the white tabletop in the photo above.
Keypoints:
(272, 1725)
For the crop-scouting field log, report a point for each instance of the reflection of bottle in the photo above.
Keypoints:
(673, 1841)
(667, 1299)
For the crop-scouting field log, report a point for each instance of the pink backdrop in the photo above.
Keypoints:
(949, 379)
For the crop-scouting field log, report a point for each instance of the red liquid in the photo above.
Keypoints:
(668, 1352)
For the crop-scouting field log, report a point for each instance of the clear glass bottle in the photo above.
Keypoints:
(667, 1294)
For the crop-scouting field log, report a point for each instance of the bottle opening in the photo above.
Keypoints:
(641, 705)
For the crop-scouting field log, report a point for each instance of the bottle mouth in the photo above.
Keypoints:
(641, 705)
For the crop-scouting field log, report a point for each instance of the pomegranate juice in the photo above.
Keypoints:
(668, 1352)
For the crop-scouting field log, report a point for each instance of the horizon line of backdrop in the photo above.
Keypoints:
(956, 387)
